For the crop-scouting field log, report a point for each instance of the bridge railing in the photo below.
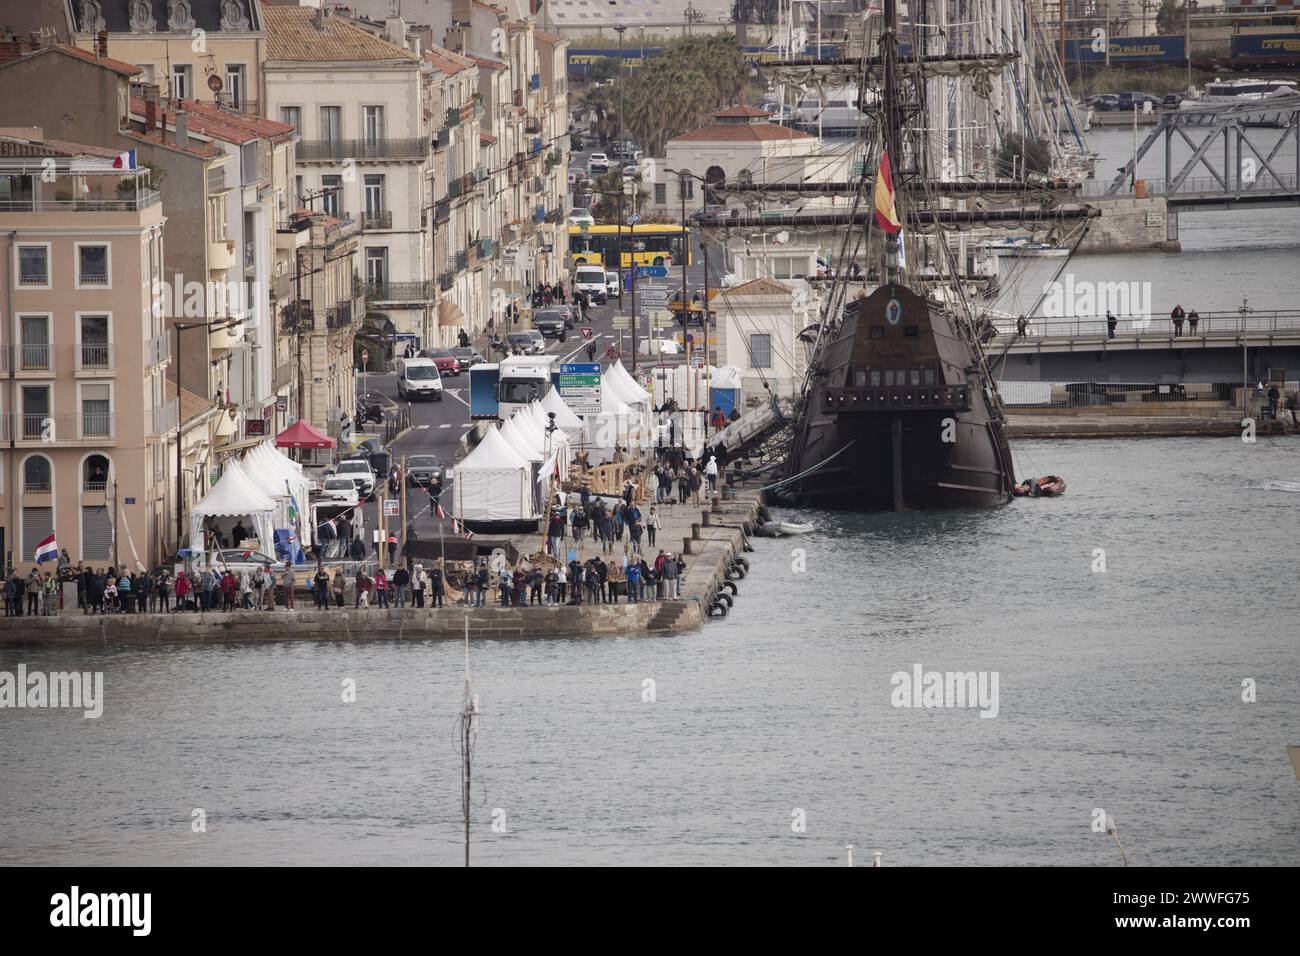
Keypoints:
(1152, 327)
(1263, 182)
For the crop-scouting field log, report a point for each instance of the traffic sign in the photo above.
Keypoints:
(580, 386)
(633, 220)
(365, 356)
(392, 508)
(587, 331)
(652, 272)
(622, 322)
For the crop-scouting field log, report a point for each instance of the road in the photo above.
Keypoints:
(437, 428)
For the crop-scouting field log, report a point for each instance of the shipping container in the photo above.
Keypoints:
(1268, 49)
(1129, 51)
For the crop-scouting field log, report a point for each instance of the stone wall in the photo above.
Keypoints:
(1129, 225)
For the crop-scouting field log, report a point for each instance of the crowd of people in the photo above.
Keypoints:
(594, 581)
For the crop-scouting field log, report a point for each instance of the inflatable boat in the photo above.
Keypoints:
(1049, 486)
(783, 529)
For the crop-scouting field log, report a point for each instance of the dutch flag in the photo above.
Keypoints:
(47, 550)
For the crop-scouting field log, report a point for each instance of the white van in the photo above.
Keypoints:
(419, 378)
(591, 280)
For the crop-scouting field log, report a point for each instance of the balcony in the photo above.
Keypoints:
(93, 426)
(216, 179)
(35, 358)
(532, 125)
(399, 291)
(462, 261)
(340, 316)
(293, 234)
(453, 116)
(128, 203)
(158, 350)
(337, 150)
(482, 249)
(535, 82)
(454, 188)
(163, 419)
(900, 398)
(221, 255)
(297, 317)
(93, 356)
(535, 146)
(442, 211)
(446, 281)
(535, 185)
(382, 219)
(283, 376)
(442, 138)
(539, 214)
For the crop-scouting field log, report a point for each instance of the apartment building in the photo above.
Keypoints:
(86, 417)
(319, 325)
(361, 107)
(205, 50)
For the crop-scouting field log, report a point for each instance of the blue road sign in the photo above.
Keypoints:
(652, 272)
(633, 220)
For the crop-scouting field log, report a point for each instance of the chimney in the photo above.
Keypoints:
(101, 44)
(461, 12)
(455, 40)
(321, 13)
(150, 109)
(395, 31)
(182, 129)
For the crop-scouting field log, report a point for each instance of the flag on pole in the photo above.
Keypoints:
(886, 214)
(47, 550)
(437, 507)
(125, 160)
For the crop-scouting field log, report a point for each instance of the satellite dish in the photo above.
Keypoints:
(781, 238)
(214, 83)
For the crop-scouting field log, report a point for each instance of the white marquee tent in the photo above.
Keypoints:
(235, 496)
(564, 415)
(494, 483)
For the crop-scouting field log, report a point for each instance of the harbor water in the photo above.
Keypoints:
(770, 737)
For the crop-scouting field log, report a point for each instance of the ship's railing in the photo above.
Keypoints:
(900, 398)
(1148, 327)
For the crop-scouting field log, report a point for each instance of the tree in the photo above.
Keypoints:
(1019, 155)
(1171, 17)
(605, 197)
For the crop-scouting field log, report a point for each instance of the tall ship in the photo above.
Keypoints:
(900, 409)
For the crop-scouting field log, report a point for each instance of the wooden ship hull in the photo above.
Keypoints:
(901, 414)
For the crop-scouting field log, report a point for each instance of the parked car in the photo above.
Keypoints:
(444, 359)
(1132, 100)
(341, 489)
(1102, 102)
(612, 285)
(579, 216)
(1171, 100)
(468, 357)
(550, 322)
(422, 469)
(597, 163)
(357, 469)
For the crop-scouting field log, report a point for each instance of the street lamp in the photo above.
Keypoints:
(683, 175)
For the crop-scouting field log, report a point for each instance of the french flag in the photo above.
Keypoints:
(125, 160)
(47, 550)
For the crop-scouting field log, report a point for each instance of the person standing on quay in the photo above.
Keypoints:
(651, 526)
(288, 581)
(1177, 314)
(340, 587)
(711, 470)
(401, 579)
(322, 588)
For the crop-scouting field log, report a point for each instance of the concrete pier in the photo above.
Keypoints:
(709, 534)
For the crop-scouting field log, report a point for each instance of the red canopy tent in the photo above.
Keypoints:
(301, 435)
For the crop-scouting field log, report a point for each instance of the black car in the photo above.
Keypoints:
(550, 322)
(468, 357)
(423, 469)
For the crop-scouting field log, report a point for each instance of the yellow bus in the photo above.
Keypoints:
(646, 244)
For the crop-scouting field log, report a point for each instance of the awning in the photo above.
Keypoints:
(302, 435)
(450, 314)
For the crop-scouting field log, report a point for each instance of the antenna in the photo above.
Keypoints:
(468, 730)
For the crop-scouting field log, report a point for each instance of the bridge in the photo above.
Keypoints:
(1245, 171)
(1237, 345)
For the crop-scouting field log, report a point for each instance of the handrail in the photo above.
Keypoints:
(1226, 323)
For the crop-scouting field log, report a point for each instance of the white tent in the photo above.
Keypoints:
(626, 386)
(493, 483)
(617, 424)
(519, 436)
(557, 445)
(291, 483)
(236, 496)
(564, 415)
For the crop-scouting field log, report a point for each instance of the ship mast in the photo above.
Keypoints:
(892, 131)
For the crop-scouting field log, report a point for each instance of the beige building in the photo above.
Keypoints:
(86, 415)
(319, 324)
(205, 50)
(759, 322)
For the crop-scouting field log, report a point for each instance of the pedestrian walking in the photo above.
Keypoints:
(652, 526)
(711, 471)
(1111, 324)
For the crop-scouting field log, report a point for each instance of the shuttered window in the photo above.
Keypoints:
(760, 351)
(96, 533)
(37, 525)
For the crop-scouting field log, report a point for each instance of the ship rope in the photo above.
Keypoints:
(808, 471)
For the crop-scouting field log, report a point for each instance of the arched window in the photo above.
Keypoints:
(94, 473)
(713, 176)
(36, 474)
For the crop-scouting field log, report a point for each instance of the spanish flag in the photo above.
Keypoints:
(886, 214)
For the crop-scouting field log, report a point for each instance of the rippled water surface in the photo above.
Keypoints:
(1119, 690)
